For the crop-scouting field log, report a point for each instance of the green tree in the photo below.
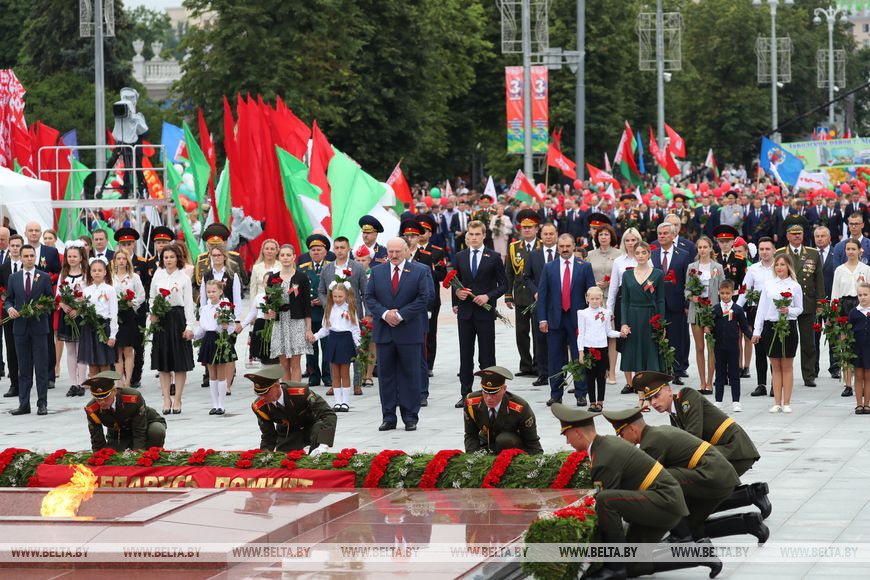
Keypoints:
(14, 14)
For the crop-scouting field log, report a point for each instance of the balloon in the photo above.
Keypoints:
(444, 202)
(666, 191)
(658, 191)
(584, 207)
(705, 187)
(578, 184)
(435, 192)
(693, 188)
(428, 201)
(846, 189)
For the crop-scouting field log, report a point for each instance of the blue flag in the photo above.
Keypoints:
(780, 163)
(171, 137)
(640, 165)
(70, 139)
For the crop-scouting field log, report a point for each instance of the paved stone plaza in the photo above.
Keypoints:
(816, 460)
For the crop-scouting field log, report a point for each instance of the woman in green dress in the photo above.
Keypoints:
(642, 297)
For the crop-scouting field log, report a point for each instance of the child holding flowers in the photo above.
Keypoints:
(100, 319)
(217, 353)
(594, 329)
(341, 323)
(69, 294)
(291, 336)
(131, 295)
(260, 340)
(859, 318)
(779, 306)
(847, 277)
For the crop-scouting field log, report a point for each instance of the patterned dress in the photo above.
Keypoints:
(288, 334)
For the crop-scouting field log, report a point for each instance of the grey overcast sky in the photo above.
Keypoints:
(155, 4)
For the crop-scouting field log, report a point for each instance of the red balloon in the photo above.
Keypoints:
(444, 201)
(428, 201)
(705, 187)
(846, 189)
(578, 184)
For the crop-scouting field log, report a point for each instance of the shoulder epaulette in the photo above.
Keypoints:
(472, 400)
(516, 242)
(305, 266)
(437, 247)
(232, 253)
(296, 391)
(256, 406)
(514, 406)
(129, 398)
(91, 410)
(427, 252)
(93, 407)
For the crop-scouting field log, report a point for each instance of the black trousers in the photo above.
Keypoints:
(596, 379)
(51, 356)
(541, 348)
(11, 356)
(523, 328)
(483, 332)
(678, 335)
(139, 348)
(761, 362)
(809, 353)
(727, 370)
(432, 337)
(33, 359)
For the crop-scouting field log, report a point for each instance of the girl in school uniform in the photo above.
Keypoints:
(341, 323)
(125, 279)
(259, 349)
(99, 356)
(594, 329)
(72, 274)
(218, 365)
(859, 318)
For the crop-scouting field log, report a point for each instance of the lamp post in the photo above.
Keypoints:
(773, 4)
(831, 15)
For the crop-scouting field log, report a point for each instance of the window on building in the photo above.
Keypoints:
(866, 43)
(867, 27)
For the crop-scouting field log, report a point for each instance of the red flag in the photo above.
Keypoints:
(557, 138)
(22, 148)
(229, 127)
(664, 160)
(677, 145)
(293, 134)
(321, 154)
(556, 159)
(400, 186)
(207, 146)
(598, 176)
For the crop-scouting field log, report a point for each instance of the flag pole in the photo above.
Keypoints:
(547, 179)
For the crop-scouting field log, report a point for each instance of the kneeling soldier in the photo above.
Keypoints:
(705, 476)
(290, 415)
(633, 487)
(692, 412)
(496, 419)
(129, 423)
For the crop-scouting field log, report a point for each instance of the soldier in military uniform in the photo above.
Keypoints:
(438, 258)
(496, 419)
(629, 216)
(371, 227)
(691, 411)
(289, 414)
(733, 260)
(318, 247)
(128, 422)
(807, 264)
(705, 476)
(518, 294)
(216, 233)
(632, 486)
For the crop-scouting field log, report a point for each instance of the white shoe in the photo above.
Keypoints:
(786, 408)
(736, 407)
(717, 404)
(775, 409)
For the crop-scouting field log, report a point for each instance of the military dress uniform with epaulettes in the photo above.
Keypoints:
(299, 419)
(521, 297)
(128, 423)
(514, 426)
(313, 361)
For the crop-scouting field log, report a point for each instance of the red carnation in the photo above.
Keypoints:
(671, 276)
(842, 320)
(447, 279)
(817, 327)
(823, 301)
(165, 292)
(692, 272)
(130, 295)
(742, 289)
(596, 354)
(347, 272)
(606, 279)
(785, 294)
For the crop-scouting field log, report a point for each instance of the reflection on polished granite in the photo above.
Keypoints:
(365, 516)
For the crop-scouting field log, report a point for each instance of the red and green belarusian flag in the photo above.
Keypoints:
(665, 160)
(624, 157)
(710, 162)
(523, 190)
(301, 196)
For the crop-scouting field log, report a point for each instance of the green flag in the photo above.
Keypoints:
(301, 197)
(354, 194)
(74, 188)
(199, 166)
(223, 198)
(190, 239)
(16, 167)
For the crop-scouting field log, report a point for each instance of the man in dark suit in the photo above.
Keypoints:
(547, 214)
(396, 295)
(855, 222)
(826, 256)
(557, 313)
(437, 257)
(757, 224)
(458, 225)
(47, 260)
(780, 214)
(101, 245)
(27, 285)
(706, 217)
(573, 222)
(481, 271)
(533, 270)
(674, 263)
(11, 264)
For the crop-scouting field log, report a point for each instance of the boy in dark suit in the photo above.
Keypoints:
(729, 321)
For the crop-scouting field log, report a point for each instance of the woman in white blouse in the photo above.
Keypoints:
(711, 275)
(126, 281)
(171, 349)
(99, 355)
(630, 239)
(780, 352)
(267, 262)
(847, 276)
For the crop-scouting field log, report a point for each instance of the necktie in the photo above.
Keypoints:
(15, 267)
(474, 263)
(566, 287)
(27, 284)
(317, 268)
(491, 416)
(795, 252)
(665, 262)
(549, 255)
(528, 247)
(395, 279)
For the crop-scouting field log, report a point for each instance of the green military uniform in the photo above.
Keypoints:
(808, 267)
(514, 425)
(128, 423)
(520, 295)
(312, 271)
(705, 476)
(298, 418)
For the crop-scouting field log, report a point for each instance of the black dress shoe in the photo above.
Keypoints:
(551, 401)
(527, 374)
(50, 384)
(759, 391)
(20, 411)
(12, 392)
(581, 402)
(424, 403)
(327, 383)
(42, 410)
(410, 426)
(540, 382)
(387, 426)
(219, 412)
(460, 403)
(835, 375)
(313, 383)
(810, 383)
(744, 373)
(431, 374)
(212, 412)
(847, 392)
(626, 390)
(682, 374)
(136, 386)
(677, 380)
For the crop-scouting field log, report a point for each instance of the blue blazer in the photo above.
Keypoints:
(15, 298)
(550, 292)
(679, 260)
(412, 295)
(49, 260)
(491, 280)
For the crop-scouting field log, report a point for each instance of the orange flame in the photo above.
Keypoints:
(64, 501)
